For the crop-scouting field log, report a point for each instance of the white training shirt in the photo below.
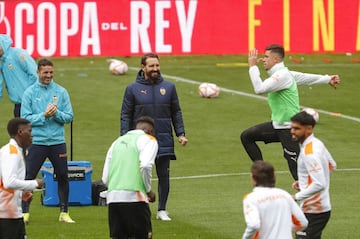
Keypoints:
(12, 180)
(148, 148)
(281, 78)
(271, 213)
(314, 166)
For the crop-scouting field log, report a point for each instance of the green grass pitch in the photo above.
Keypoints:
(210, 177)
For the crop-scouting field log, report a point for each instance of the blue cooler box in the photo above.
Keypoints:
(79, 183)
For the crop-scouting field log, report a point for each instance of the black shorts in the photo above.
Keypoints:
(12, 228)
(317, 223)
(130, 220)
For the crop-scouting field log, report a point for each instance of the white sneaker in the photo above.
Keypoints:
(163, 215)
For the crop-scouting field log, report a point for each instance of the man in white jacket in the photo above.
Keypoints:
(13, 186)
(270, 213)
(314, 166)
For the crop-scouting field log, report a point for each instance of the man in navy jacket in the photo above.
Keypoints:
(151, 95)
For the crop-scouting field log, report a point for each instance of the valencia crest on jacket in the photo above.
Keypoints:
(162, 91)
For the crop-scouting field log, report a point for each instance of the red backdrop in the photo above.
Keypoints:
(126, 27)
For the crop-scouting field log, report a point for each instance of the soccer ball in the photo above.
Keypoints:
(117, 67)
(312, 112)
(208, 90)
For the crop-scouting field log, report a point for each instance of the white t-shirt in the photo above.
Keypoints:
(271, 213)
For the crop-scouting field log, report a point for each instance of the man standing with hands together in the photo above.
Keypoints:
(47, 106)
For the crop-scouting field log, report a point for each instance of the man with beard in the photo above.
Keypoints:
(151, 95)
(314, 166)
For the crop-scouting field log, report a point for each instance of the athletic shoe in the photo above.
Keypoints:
(163, 215)
(26, 217)
(65, 217)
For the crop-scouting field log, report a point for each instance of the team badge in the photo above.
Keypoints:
(162, 91)
(22, 57)
(10, 66)
(55, 100)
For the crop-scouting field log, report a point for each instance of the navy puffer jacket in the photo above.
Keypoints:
(158, 100)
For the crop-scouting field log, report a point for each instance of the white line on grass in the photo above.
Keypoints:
(247, 95)
(176, 78)
(242, 174)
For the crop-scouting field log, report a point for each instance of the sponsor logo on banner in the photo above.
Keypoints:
(90, 28)
(123, 27)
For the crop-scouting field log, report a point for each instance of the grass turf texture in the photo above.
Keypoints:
(209, 206)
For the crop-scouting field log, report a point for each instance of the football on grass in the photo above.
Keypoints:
(117, 67)
(312, 112)
(208, 90)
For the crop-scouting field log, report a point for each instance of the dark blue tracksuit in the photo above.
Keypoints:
(159, 101)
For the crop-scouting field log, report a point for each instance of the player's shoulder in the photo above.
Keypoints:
(143, 135)
(17, 50)
(13, 149)
(255, 193)
(9, 149)
(147, 140)
(29, 92)
(31, 88)
(167, 83)
(136, 87)
(57, 86)
(20, 55)
(284, 74)
(317, 142)
(150, 137)
(282, 191)
(247, 196)
(313, 145)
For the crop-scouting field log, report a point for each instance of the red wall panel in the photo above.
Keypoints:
(132, 27)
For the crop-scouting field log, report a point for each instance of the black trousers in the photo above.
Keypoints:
(129, 220)
(163, 172)
(266, 133)
(317, 223)
(12, 228)
(17, 108)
